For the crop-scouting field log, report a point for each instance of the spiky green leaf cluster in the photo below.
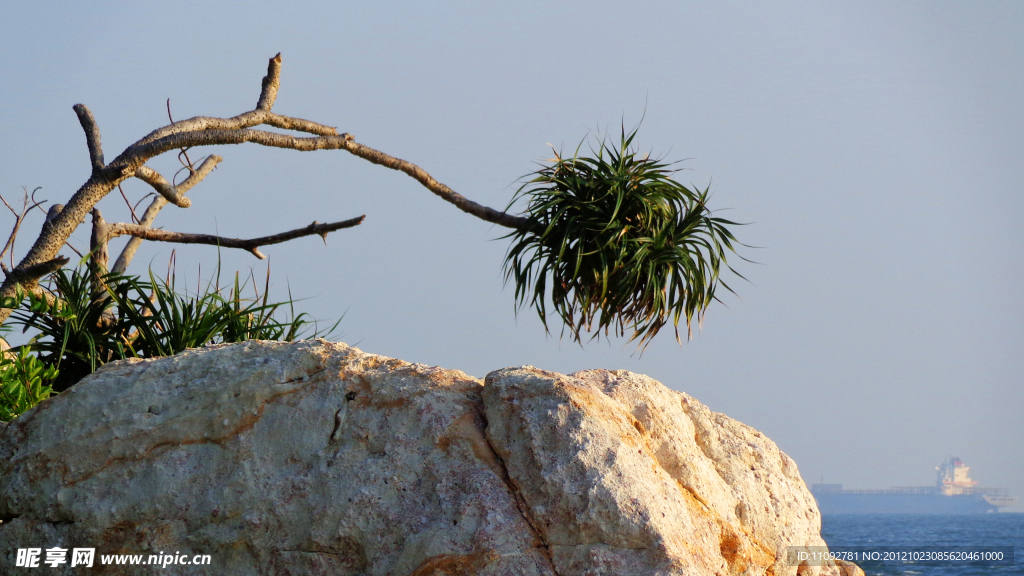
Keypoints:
(78, 330)
(617, 244)
(24, 382)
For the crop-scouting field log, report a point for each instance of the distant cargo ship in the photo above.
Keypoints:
(954, 493)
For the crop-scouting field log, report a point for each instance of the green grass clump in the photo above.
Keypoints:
(617, 245)
(157, 321)
(24, 382)
(77, 329)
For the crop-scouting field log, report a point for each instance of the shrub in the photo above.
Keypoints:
(78, 330)
(620, 245)
(24, 382)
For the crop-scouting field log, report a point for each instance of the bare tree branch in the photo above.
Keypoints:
(29, 274)
(19, 219)
(157, 205)
(270, 84)
(98, 256)
(468, 206)
(92, 136)
(175, 194)
(240, 122)
(252, 245)
(52, 213)
(309, 144)
(209, 131)
(154, 208)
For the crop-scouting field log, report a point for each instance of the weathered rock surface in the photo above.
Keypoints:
(316, 458)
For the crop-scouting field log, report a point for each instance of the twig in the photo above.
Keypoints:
(146, 233)
(175, 194)
(184, 151)
(158, 203)
(135, 219)
(75, 250)
(136, 205)
(18, 220)
(8, 206)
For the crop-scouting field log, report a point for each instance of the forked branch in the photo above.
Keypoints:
(212, 137)
(210, 131)
(176, 194)
(28, 204)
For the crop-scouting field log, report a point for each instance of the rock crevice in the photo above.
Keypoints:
(540, 542)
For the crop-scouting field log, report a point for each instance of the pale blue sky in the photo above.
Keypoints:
(874, 147)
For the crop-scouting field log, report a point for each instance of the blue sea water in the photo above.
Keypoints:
(887, 531)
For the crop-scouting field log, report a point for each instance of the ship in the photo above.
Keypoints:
(954, 493)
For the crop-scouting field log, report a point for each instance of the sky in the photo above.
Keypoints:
(873, 150)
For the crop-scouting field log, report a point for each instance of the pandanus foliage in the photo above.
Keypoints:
(77, 330)
(618, 245)
(24, 382)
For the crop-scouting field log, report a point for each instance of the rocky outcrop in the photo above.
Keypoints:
(316, 458)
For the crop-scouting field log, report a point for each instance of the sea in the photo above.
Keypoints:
(894, 538)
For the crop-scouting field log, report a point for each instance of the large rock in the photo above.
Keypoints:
(316, 458)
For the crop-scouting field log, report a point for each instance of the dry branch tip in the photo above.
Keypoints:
(92, 136)
(271, 82)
